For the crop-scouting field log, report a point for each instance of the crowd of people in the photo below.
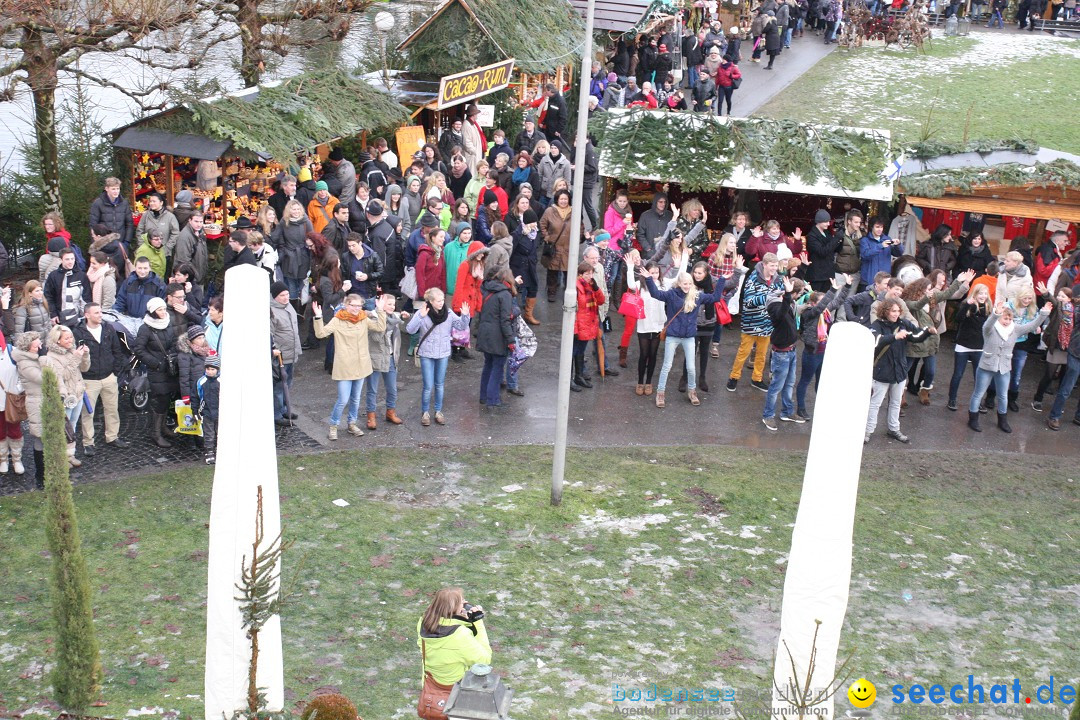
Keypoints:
(450, 257)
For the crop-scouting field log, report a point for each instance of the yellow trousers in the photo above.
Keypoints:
(745, 343)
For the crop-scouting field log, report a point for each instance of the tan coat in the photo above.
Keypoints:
(474, 148)
(556, 230)
(352, 355)
(29, 365)
(69, 367)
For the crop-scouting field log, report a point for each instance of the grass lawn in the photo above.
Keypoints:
(663, 565)
(994, 85)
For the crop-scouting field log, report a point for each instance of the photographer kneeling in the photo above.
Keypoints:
(452, 638)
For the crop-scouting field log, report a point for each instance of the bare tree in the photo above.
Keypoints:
(43, 41)
(271, 27)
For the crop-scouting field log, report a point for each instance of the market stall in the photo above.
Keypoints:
(771, 168)
(1004, 190)
(229, 149)
(544, 37)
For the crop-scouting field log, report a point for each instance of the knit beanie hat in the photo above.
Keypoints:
(528, 216)
(429, 221)
(822, 216)
(321, 185)
(153, 305)
(276, 288)
(195, 331)
(56, 244)
(185, 196)
(337, 155)
(213, 360)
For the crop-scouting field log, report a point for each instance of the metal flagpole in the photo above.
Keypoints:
(558, 467)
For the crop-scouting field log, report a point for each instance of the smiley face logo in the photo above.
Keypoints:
(862, 693)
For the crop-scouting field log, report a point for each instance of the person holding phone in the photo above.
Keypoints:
(876, 250)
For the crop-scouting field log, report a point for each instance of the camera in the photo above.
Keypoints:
(472, 613)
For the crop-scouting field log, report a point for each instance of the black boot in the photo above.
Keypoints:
(1003, 423)
(973, 421)
(552, 284)
(39, 469)
(157, 421)
(702, 383)
(579, 378)
(1014, 406)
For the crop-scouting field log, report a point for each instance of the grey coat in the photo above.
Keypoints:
(285, 331)
(437, 343)
(191, 248)
(381, 346)
(29, 365)
(166, 223)
(997, 352)
(36, 314)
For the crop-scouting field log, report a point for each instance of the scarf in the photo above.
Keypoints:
(96, 277)
(201, 350)
(455, 173)
(823, 322)
(438, 316)
(483, 138)
(521, 175)
(345, 316)
(564, 212)
(1003, 331)
(156, 322)
(1065, 326)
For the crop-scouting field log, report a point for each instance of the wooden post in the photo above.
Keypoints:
(170, 191)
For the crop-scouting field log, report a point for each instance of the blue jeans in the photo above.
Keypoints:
(983, 378)
(433, 371)
(925, 377)
(72, 414)
(1018, 362)
(294, 285)
(511, 377)
(996, 18)
(962, 359)
(1068, 382)
(783, 378)
(389, 381)
(671, 344)
(279, 392)
(490, 379)
(787, 37)
(348, 391)
(811, 371)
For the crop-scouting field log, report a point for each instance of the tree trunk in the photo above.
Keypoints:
(252, 62)
(40, 64)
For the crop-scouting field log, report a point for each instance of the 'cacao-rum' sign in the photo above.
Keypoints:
(471, 84)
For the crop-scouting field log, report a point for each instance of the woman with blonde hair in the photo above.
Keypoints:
(452, 637)
(436, 187)
(289, 238)
(433, 322)
(682, 304)
(32, 312)
(266, 219)
(69, 363)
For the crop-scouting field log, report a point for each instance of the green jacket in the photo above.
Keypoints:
(455, 253)
(454, 649)
(157, 257)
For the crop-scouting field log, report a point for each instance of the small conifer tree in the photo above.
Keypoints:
(78, 669)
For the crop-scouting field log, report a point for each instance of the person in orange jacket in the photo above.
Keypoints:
(586, 322)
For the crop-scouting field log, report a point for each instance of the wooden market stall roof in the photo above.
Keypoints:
(615, 15)
(705, 152)
(274, 119)
(1034, 182)
(540, 34)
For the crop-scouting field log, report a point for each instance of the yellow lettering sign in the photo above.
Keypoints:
(472, 84)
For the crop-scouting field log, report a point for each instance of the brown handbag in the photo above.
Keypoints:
(434, 694)
(15, 407)
(663, 333)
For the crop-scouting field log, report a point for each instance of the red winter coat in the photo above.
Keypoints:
(587, 320)
(429, 273)
(725, 76)
(467, 288)
(1047, 259)
(756, 247)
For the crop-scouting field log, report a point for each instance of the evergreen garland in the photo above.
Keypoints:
(934, 148)
(700, 152)
(78, 672)
(297, 114)
(935, 183)
(540, 35)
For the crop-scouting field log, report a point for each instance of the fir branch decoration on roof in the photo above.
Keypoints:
(933, 148)
(935, 183)
(540, 34)
(701, 152)
(296, 114)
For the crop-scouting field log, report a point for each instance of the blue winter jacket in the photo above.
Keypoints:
(134, 293)
(876, 257)
(681, 324)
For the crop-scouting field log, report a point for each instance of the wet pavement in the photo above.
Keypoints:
(612, 415)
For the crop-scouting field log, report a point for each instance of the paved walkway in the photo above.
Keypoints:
(760, 85)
